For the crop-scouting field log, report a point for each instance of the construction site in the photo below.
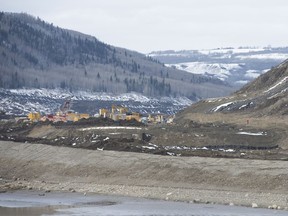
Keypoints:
(116, 113)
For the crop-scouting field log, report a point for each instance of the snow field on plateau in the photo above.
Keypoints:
(221, 71)
(235, 66)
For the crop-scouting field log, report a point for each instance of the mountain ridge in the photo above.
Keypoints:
(36, 54)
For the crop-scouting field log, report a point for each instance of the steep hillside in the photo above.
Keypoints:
(265, 96)
(39, 55)
(277, 77)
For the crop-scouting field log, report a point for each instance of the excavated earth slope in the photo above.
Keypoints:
(195, 179)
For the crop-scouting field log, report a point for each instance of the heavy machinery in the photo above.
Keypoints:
(66, 106)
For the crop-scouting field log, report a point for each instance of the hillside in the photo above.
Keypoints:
(24, 101)
(35, 54)
(267, 95)
(237, 66)
(252, 121)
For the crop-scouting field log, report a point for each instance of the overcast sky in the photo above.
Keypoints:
(149, 25)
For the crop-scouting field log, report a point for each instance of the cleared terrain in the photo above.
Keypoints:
(195, 179)
(218, 135)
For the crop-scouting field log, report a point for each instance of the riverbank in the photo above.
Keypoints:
(242, 182)
(30, 203)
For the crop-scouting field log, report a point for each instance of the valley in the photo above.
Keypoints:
(20, 102)
(222, 147)
(251, 123)
(219, 135)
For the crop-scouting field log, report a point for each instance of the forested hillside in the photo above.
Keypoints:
(35, 54)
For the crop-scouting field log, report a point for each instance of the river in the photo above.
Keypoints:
(37, 203)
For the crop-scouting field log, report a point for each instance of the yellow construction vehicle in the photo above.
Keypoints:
(34, 117)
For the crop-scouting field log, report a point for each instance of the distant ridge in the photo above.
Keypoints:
(237, 66)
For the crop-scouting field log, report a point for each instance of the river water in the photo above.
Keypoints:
(35, 203)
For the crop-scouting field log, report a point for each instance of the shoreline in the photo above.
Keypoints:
(239, 182)
(252, 199)
(66, 203)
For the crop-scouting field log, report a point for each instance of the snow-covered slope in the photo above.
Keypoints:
(23, 101)
(237, 66)
(221, 71)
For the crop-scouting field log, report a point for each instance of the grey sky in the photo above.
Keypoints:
(147, 25)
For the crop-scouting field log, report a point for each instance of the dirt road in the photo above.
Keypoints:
(195, 179)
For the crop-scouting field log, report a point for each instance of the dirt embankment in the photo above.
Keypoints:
(195, 179)
(197, 135)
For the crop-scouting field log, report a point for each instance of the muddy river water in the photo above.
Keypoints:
(36, 203)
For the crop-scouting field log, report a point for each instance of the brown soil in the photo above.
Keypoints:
(218, 135)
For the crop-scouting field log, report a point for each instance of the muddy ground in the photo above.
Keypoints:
(191, 137)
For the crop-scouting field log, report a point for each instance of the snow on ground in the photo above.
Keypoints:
(228, 64)
(242, 82)
(246, 105)
(167, 54)
(252, 74)
(10, 106)
(79, 95)
(252, 134)
(49, 93)
(219, 70)
(186, 148)
(149, 147)
(110, 128)
(279, 56)
(285, 79)
(230, 50)
(23, 101)
(84, 95)
(177, 101)
(221, 106)
(221, 51)
(278, 93)
(107, 138)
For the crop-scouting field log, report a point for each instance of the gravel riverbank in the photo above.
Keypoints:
(256, 183)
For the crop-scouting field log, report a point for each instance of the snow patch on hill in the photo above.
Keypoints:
(79, 95)
(252, 74)
(236, 66)
(281, 82)
(230, 50)
(23, 101)
(221, 71)
(222, 106)
(280, 56)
